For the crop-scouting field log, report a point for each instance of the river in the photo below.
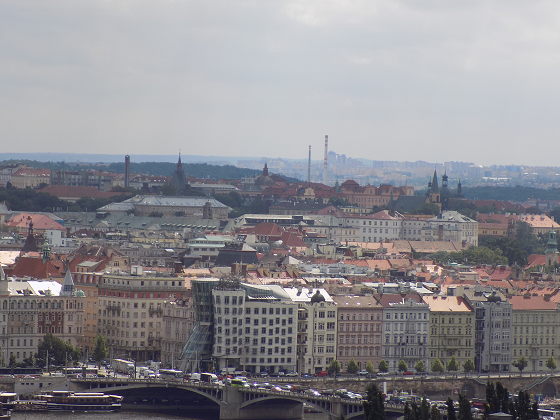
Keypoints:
(121, 415)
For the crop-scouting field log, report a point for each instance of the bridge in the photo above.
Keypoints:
(223, 402)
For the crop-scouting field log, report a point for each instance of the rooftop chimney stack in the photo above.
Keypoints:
(126, 170)
(309, 167)
(325, 161)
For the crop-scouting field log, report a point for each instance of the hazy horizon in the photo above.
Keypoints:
(386, 80)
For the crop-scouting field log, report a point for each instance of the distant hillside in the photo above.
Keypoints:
(517, 193)
(198, 170)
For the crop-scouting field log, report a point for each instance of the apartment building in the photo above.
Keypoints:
(178, 324)
(254, 328)
(452, 331)
(30, 177)
(316, 328)
(405, 330)
(359, 330)
(31, 309)
(451, 226)
(493, 323)
(130, 313)
(385, 225)
(535, 330)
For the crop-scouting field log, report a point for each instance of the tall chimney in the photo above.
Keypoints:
(309, 167)
(126, 170)
(325, 161)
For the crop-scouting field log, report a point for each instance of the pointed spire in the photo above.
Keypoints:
(68, 288)
(265, 170)
(435, 185)
(179, 164)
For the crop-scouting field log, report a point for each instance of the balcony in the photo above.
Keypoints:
(113, 308)
(155, 311)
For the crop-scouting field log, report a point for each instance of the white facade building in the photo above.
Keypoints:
(255, 329)
(317, 322)
(405, 326)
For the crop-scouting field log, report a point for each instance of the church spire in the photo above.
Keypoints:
(179, 164)
(435, 185)
(68, 288)
(265, 170)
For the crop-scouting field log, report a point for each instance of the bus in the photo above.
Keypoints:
(171, 374)
(75, 372)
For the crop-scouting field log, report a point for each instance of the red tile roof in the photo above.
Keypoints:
(41, 222)
(63, 191)
(34, 267)
(522, 303)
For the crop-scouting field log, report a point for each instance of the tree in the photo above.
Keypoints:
(424, 409)
(523, 408)
(374, 406)
(492, 398)
(402, 366)
(369, 367)
(415, 410)
(437, 366)
(352, 366)
(452, 365)
(551, 363)
(535, 409)
(100, 350)
(502, 395)
(450, 409)
(420, 366)
(168, 190)
(521, 363)
(12, 362)
(60, 352)
(465, 412)
(434, 413)
(468, 366)
(407, 412)
(334, 367)
(383, 366)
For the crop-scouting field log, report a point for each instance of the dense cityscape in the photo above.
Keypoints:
(268, 275)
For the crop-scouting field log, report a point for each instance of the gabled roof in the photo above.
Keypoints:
(408, 203)
(34, 267)
(40, 222)
(447, 304)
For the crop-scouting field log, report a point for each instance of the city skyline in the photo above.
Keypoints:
(385, 80)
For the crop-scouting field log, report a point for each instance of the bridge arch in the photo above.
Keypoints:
(323, 406)
(549, 390)
(159, 391)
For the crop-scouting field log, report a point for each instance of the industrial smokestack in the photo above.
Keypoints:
(126, 170)
(325, 161)
(309, 167)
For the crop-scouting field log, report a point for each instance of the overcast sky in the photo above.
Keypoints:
(411, 80)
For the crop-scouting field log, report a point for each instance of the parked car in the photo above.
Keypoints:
(291, 374)
(363, 372)
(408, 373)
(322, 373)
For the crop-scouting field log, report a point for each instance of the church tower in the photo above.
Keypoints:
(551, 252)
(68, 288)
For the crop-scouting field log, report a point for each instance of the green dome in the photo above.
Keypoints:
(80, 293)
